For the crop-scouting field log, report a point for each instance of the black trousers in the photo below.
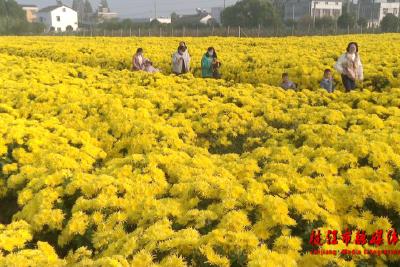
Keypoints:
(348, 83)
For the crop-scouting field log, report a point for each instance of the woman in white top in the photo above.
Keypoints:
(350, 67)
(138, 60)
(179, 61)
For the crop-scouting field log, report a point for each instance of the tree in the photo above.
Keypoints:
(291, 23)
(174, 17)
(127, 24)
(11, 9)
(325, 22)
(346, 20)
(389, 23)
(88, 8)
(12, 18)
(251, 13)
(104, 4)
(305, 22)
(79, 7)
(362, 22)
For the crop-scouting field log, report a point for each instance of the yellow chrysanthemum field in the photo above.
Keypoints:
(101, 166)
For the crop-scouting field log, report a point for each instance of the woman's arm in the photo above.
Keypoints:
(360, 70)
(133, 63)
(175, 58)
(339, 64)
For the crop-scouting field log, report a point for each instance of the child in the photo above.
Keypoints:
(286, 83)
(327, 82)
(215, 66)
(148, 67)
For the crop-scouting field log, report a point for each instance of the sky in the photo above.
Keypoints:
(144, 8)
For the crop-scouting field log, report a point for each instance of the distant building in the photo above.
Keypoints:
(375, 11)
(141, 20)
(58, 18)
(201, 17)
(297, 9)
(206, 20)
(31, 12)
(162, 20)
(104, 13)
(216, 14)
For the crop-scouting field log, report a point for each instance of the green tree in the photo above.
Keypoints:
(389, 23)
(11, 9)
(126, 24)
(251, 13)
(305, 23)
(88, 7)
(325, 22)
(12, 18)
(174, 17)
(346, 20)
(291, 23)
(362, 22)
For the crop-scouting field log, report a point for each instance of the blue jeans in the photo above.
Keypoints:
(348, 83)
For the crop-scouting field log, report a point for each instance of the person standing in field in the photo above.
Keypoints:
(186, 56)
(350, 67)
(138, 60)
(179, 61)
(210, 64)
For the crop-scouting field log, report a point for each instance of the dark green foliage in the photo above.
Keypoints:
(251, 13)
(390, 23)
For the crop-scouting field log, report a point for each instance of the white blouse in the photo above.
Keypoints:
(342, 60)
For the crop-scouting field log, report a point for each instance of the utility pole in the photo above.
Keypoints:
(155, 9)
(224, 4)
(293, 19)
(398, 20)
(293, 12)
(372, 14)
(348, 6)
(6, 8)
(315, 4)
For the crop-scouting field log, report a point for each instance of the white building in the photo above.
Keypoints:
(206, 20)
(375, 11)
(59, 18)
(162, 20)
(297, 9)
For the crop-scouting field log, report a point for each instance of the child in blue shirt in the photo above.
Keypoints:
(286, 83)
(327, 82)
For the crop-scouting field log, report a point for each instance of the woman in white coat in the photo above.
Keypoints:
(180, 63)
(350, 67)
